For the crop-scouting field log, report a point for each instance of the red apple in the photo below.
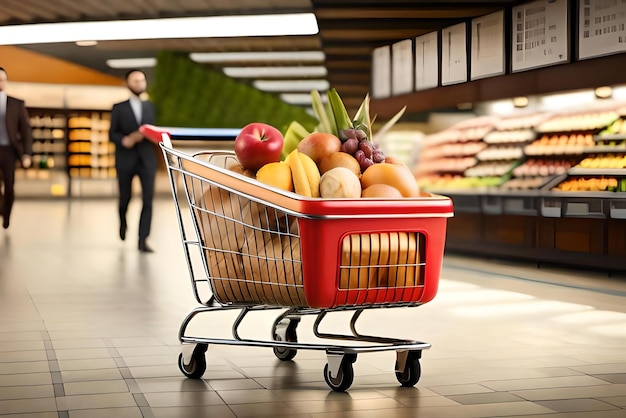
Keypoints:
(318, 145)
(258, 144)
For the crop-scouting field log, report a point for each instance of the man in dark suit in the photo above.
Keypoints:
(16, 143)
(134, 155)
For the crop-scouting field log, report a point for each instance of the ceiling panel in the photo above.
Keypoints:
(349, 29)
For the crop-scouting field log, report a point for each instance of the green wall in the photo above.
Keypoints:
(188, 94)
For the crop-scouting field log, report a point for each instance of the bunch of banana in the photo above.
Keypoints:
(306, 176)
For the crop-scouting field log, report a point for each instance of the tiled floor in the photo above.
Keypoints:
(88, 328)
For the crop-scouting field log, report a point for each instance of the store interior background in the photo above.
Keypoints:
(77, 91)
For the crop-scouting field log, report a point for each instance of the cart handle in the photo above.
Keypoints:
(156, 134)
(163, 134)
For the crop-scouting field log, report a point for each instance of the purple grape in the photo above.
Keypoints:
(360, 134)
(364, 162)
(378, 156)
(350, 146)
(366, 147)
(346, 134)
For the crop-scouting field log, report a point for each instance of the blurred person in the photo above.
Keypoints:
(16, 143)
(134, 155)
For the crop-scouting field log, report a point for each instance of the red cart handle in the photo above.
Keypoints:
(154, 133)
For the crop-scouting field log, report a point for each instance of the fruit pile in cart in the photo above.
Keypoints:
(340, 159)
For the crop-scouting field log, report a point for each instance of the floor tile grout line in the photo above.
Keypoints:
(55, 372)
(133, 387)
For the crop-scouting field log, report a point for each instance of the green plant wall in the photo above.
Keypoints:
(188, 94)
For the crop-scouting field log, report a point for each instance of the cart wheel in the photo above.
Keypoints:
(282, 353)
(196, 366)
(345, 376)
(412, 371)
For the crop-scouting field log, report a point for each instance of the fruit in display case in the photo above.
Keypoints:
(449, 182)
(549, 144)
(585, 121)
(600, 161)
(588, 184)
(524, 183)
(490, 169)
(258, 144)
(543, 167)
(616, 128)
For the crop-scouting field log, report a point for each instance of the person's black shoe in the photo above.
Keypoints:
(143, 247)
(5, 223)
(123, 231)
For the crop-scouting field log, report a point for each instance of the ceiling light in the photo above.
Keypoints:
(132, 63)
(188, 27)
(257, 56)
(291, 85)
(603, 92)
(521, 101)
(256, 72)
(299, 98)
(86, 43)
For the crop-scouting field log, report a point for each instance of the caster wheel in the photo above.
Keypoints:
(196, 366)
(412, 372)
(344, 378)
(282, 353)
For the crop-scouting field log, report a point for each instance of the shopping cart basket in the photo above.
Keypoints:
(265, 248)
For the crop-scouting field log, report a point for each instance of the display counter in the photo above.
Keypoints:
(543, 187)
(579, 229)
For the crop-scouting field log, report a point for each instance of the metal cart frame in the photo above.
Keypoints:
(293, 221)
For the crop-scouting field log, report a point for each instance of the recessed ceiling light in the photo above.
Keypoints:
(86, 43)
(300, 98)
(603, 92)
(291, 85)
(188, 27)
(257, 56)
(132, 63)
(258, 72)
(521, 101)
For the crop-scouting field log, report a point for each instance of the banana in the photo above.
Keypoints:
(306, 175)
(294, 134)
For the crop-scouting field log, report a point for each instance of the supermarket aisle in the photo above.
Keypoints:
(88, 328)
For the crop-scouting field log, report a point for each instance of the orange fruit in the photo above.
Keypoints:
(398, 176)
(277, 174)
(340, 159)
(381, 190)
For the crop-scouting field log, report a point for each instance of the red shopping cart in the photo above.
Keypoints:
(265, 248)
